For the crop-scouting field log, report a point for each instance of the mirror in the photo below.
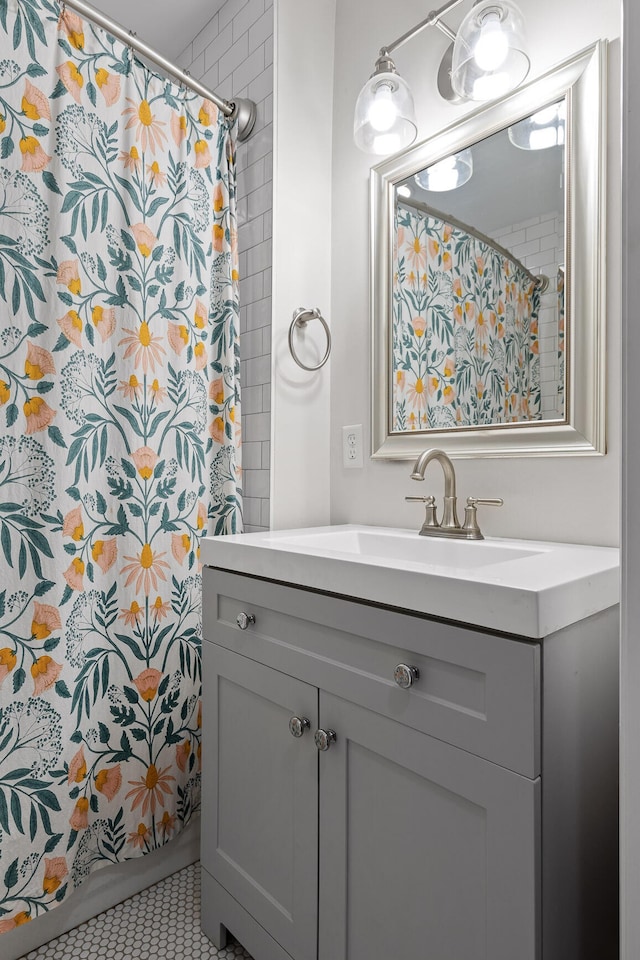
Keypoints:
(487, 278)
(478, 250)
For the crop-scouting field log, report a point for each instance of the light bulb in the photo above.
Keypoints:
(382, 112)
(492, 47)
(403, 191)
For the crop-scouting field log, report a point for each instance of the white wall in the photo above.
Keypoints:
(556, 499)
(304, 32)
(233, 56)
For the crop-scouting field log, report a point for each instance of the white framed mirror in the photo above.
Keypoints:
(487, 278)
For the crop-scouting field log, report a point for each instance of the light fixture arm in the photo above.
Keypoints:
(434, 19)
(448, 32)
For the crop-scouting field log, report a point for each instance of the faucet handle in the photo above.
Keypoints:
(474, 501)
(430, 519)
(470, 525)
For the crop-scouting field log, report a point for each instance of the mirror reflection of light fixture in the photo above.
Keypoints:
(447, 174)
(484, 61)
(542, 130)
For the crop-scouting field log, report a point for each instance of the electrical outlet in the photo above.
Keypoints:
(352, 446)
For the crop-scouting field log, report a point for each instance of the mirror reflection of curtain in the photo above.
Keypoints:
(465, 330)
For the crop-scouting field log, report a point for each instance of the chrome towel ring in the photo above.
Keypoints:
(301, 317)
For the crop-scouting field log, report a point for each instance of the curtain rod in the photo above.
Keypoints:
(242, 110)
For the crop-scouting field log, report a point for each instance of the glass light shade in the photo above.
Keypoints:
(489, 56)
(542, 130)
(447, 174)
(385, 117)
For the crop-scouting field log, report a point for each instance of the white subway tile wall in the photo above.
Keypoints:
(233, 55)
(539, 245)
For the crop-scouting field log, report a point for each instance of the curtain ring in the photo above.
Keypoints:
(183, 83)
(301, 317)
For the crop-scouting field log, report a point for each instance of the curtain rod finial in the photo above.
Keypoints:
(245, 112)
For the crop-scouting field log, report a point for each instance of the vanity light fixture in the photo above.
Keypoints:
(489, 57)
(385, 120)
(447, 174)
(542, 130)
(486, 59)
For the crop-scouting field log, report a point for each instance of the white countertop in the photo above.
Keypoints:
(525, 587)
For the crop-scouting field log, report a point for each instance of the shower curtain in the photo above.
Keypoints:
(119, 445)
(465, 330)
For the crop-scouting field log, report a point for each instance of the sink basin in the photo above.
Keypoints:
(407, 547)
(526, 588)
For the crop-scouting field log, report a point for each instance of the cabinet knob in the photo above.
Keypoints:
(298, 725)
(244, 619)
(324, 739)
(404, 675)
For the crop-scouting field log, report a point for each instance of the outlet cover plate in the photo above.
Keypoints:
(352, 447)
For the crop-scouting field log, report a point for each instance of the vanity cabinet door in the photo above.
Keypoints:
(426, 850)
(260, 789)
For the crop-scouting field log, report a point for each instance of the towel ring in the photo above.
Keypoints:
(301, 317)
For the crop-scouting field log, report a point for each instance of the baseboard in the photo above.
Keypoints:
(103, 889)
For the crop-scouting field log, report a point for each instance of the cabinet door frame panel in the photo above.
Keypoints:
(295, 931)
(512, 805)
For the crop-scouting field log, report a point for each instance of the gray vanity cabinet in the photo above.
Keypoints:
(470, 816)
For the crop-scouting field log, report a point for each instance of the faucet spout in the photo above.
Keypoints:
(450, 519)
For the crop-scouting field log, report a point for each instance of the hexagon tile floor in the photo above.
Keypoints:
(160, 923)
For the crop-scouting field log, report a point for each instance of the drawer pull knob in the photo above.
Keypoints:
(404, 675)
(298, 725)
(244, 619)
(324, 739)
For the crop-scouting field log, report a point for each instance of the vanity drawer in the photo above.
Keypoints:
(475, 690)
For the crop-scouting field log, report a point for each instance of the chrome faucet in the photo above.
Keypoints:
(450, 526)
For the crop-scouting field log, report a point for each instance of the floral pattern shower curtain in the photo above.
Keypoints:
(561, 341)
(119, 445)
(465, 330)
